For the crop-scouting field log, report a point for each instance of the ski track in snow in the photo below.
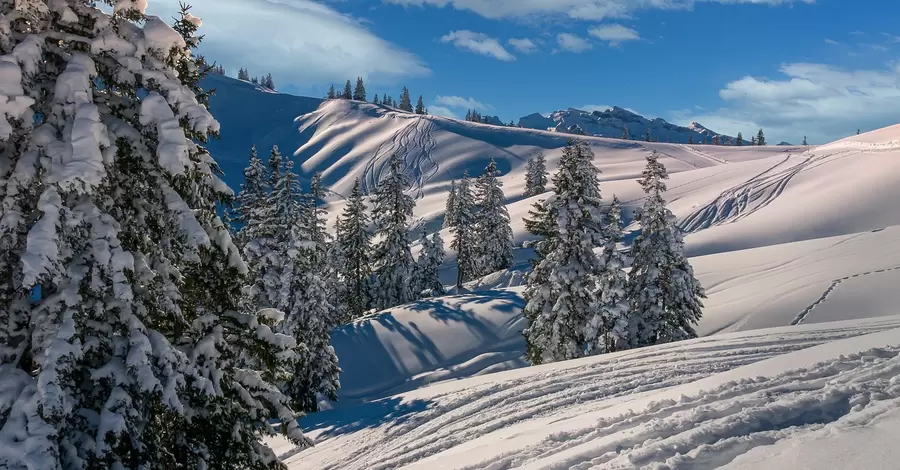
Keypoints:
(416, 143)
(727, 421)
(834, 284)
(705, 155)
(752, 195)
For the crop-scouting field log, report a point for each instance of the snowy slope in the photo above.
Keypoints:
(613, 123)
(724, 400)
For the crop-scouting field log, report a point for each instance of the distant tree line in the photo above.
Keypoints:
(265, 81)
(358, 93)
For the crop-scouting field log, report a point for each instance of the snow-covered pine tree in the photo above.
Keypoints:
(450, 207)
(420, 106)
(740, 139)
(665, 297)
(392, 260)
(536, 175)
(243, 74)
(468, 115)
(494, 239)
(431, 257)
(760, 138)
(804, 140)
(753, 140)
(405, 102)
(250, 203)
(268, 82)
(359, 93)
(375, 100)
(609, 326)
(464, 230)
(348, 91)
(122, 341)
(562, 293)
(355, 242)
(331, 93)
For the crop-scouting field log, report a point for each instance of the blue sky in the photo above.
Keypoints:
(817, 68)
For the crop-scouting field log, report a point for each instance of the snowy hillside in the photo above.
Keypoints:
(614, 122)
(783, 398)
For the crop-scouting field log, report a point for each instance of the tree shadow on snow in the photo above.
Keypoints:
(387, 411)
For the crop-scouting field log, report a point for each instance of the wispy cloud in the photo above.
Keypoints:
(577, 9)
(614, 34)
(572, 43)
(523, 45)
(331, 46)
(462, 103)
(832, 42)
(821, 101)
(478, 43)
(442, 111)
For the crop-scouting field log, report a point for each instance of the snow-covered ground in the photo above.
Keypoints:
(784, 239)
(776, 398)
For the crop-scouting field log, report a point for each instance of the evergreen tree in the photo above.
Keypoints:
(348, 93)
(647, 135)
(857, 132)
(331, 93)
(450, 217)
(431, 257)
(740, 139)
(375, 100)
(494, 247)
(804, 140)
(405, 103)
(468, 115)
(760, 138)
(625, 133)
(243, 74)
(665, 296)
(250, 203)
(420, 106)
(359, 93)
(609, 326)
(561, 293)
(536, 175)
(268, 82)
(254, 80)
(136, 352)
(753, 140)
(462, 225)
(355, 242)
(393, 262)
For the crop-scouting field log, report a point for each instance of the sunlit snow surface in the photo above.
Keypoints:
(784, 239)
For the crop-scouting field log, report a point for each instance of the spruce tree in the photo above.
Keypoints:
(355, 243)
(462, 226)
(331, 93)
(359, 93)
(243, 74)
(665, 297)
(740, 139)
(450, 207)
(420, 106)
(405, 103)
(375, 100)
(268, 82)
(123, 343)
(348, 92)
(250, 204)
(760, 138)
(431, 257)
(609, 326)
(468, 115)
(561, 293)
(392, 260)
(536, 175)
(494, 240)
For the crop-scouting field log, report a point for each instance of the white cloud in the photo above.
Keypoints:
(594, 107)
(577, 9)
(820, 101)
(614, 34)
(442, 111)
(462, 103)
(572, 43)
(301, 42)
(891, 37)
(831, 42)
(523, 45)
(479, 43)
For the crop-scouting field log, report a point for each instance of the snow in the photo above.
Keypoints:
(160, 36)
(694, 404)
